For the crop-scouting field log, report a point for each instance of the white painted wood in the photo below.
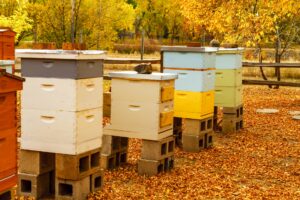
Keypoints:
(140, 118)
(62, 94)
(61, 54)
(134, 75)
(109, 130)
(138, 90)
(60, 131)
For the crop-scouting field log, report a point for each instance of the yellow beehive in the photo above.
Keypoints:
(194, 105)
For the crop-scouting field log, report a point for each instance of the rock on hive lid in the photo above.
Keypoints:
(135, 75)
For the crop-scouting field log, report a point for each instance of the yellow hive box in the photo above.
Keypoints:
(194, 105)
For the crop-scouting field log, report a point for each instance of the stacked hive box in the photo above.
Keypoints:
(7, 49)
(194, 95)
(229, 88)
(61, 123)
(9, 84)
(142, 107)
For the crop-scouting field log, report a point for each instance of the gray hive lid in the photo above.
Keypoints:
(135, 75)
(189, 49)
(61, 54)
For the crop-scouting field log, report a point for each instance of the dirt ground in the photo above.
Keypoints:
(260, 162)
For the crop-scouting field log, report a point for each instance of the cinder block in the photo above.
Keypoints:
(114, 160)
(196, 127)
(113, 144)
(232, 124)
(34, 162)
(158, 150)
(35, 186)
(72, 190)
(7, 195)
(75, 167)
(154, 167)
(238, 110)
(97, 181)
(192, 143)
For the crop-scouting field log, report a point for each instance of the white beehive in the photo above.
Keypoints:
(142, 105)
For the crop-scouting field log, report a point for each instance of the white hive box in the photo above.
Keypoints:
(62, 94)
(229, 58)
(142, 105)
(182, 57)
(60, 131)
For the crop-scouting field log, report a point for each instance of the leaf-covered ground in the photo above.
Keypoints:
(260, 162)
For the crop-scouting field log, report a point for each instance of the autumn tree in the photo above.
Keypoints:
(13, 14)
(253, 23)
(160, 18)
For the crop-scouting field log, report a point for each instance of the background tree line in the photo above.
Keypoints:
(100, 23)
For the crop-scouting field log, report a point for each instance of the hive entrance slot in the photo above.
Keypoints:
(65, 189)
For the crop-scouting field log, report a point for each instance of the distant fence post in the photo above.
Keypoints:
(142, 45)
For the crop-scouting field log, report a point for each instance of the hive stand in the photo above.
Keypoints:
(233, 119)
(114, 151)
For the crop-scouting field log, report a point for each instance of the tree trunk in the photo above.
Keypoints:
(277, 60)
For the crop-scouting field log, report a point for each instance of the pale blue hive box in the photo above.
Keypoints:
(194, 81)
(229, 58)
(188, 57)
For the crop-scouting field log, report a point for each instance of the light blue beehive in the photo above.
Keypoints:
(189, 57)
(229, 58)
